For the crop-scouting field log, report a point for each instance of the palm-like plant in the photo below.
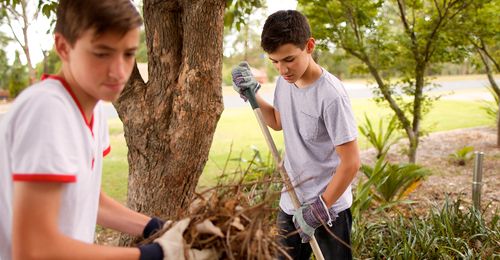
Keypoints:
(382, 139)
(491, 108)
(462, 155)
(387, 183)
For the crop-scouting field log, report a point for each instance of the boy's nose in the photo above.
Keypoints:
(117, 69)
(282, 69)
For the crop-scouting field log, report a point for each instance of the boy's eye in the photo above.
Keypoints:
(101, 54)
(289, 60)
(130, 54)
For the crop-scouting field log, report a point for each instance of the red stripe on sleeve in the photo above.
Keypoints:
(106, 152)
(44, 177)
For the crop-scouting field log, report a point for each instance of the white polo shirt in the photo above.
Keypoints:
(45, 137)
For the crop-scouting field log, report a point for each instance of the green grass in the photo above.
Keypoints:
(238, 130)
(115, 172)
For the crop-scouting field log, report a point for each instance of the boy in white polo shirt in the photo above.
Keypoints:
(313, 109)
(54, 138)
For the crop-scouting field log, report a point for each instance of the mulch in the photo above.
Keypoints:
(449, 179)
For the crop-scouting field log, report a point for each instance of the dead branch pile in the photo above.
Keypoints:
(242, 228)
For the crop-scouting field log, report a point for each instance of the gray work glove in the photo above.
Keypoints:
(243, 80)
(309, 217)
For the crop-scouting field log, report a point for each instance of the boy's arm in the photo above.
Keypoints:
(35, 232)
(271, 115)
(114, 215)
(310, 216)
(345, 172)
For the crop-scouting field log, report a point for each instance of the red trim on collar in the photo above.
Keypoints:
(90, 123)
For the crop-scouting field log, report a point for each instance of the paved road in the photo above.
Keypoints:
(355, 90)
(360, 90)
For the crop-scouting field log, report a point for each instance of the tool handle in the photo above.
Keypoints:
(251, 98)
(284, 175)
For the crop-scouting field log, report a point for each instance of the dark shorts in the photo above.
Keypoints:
(330, 246)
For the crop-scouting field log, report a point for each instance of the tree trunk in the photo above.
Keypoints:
(413, 146)
(169, 121)
(498, 126)
(417, 112)
(26, 49)
(494, 86)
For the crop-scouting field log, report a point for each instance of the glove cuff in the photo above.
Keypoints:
(332, 215)
(151, 251)
(322, 212)
(153, 225)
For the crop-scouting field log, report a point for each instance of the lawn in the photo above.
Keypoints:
(237, 131)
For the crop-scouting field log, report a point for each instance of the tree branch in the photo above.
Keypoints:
(489, 73)
(409, 31)
(484, 48)
(9, 23)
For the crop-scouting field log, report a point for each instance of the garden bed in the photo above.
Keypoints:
(448, 179)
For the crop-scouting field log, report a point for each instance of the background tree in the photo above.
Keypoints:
(19, 15)
(482, 32)
(4, 63)
(18, 79)
(49, 65)
(396, 41)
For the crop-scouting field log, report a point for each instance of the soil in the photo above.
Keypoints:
(448, 178)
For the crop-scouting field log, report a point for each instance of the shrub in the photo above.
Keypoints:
(450, 232)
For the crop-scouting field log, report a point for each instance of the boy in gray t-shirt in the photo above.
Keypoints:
(312, 108)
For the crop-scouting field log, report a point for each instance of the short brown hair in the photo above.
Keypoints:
(76, 16)
(282, 27)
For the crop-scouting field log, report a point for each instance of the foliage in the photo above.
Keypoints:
(450, 232)
(462, 155)
(387, 184)
(49, 65)
(491, 108)
(48, 8)
(258, 176)
(237, 11)
(18, 77)
(477, 28)
(244, 44)
(4, 66)
(382, 140)
(393, 39)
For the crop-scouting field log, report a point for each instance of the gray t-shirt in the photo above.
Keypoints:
(315, 120)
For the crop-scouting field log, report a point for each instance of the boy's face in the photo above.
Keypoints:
(291, 61)
(99, 66)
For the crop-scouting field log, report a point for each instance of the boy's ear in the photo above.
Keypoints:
(311, 43)
(62, 47)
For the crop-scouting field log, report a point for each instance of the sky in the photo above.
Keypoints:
(40, 40)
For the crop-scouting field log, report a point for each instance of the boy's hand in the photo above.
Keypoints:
(243, 80)
(309, 217)
(172, 244)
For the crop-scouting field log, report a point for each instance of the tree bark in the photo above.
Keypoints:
(169, 121)
(498, 126)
